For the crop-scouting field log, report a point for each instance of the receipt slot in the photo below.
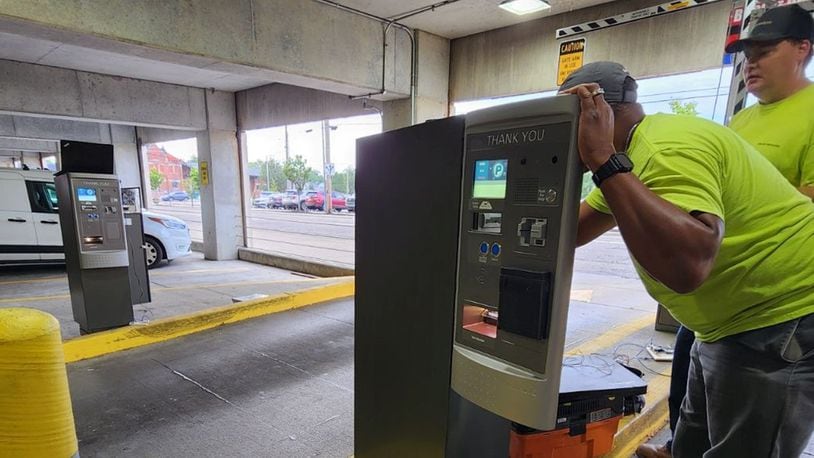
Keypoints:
(96, 257)
(520, 198)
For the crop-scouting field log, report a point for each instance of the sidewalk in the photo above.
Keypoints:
(186, 285)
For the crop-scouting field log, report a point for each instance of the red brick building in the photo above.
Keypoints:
(174, 170)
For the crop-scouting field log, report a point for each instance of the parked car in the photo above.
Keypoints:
(315, 200)
(291, 200)
(175, 196)
(30, 231)
(268, 199)
(350, 201)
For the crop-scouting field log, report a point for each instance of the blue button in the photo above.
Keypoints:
(496, 249)
(484, 247)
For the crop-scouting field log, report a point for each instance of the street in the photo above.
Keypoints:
(316, 236)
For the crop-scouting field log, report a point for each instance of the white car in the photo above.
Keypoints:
(29, 223)
(165, 237)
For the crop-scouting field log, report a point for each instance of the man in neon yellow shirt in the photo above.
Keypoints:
(716, 233)
(781, 126)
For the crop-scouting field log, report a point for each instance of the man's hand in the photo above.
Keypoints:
(595, 125)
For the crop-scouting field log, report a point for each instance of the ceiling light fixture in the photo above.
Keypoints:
(521, 7)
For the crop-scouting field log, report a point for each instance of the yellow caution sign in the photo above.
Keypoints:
(204, 170)
(678, 5)
(572, 56)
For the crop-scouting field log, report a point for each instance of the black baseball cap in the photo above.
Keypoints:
(619, 86)
(776, 24)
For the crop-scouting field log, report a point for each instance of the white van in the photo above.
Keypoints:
(30, 231)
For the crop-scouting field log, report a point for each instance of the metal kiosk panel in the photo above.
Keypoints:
(520, 201)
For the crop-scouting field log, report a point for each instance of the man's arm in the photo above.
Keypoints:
(674, 247)
(807, 191)
(592, 224)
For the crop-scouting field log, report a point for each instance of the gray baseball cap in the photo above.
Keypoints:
(619, 86)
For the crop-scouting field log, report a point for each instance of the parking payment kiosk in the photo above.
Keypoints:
(96, 257)
(520, 199)
(463, 281)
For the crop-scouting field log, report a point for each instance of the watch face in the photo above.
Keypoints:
(624, 160)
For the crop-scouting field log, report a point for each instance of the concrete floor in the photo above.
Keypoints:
(185, 285)
(276, 386)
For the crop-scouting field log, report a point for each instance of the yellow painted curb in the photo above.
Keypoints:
(103, 343)
(637, 429)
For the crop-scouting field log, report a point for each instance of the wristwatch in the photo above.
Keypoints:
(618, 163)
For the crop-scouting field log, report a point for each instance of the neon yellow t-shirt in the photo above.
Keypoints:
(784, 132)
(764, 273)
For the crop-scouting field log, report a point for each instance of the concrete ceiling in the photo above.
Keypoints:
(65, 55)
(38, 45)
(462, 18)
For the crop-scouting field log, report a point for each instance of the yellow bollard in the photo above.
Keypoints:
(35, 405)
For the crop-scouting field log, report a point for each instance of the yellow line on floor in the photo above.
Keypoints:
(33, 298)
(115, 340)
(613, 337)
(34, 280)
(194, 271)
(158, 288)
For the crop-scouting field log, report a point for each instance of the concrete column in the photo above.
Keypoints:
(221, 207)
(126, 156)
(432, 89)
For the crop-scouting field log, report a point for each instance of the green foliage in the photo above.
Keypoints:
(192, 185)
(298, 173)
(271, 173)
(680, 108)
(345, 181)
(156, 178)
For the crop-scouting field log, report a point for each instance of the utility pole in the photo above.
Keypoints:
(326, 164)
(268, 177)
(288, 184)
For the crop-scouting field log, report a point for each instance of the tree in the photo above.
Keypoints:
(688, 108)
(156, 178)
(298, 172)
(193, 184)
(270, 174)
(345, 181)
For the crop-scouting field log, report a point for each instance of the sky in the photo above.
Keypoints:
(708, 88)
(303, 139)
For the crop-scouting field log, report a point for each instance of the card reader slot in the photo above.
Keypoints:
(93, 240)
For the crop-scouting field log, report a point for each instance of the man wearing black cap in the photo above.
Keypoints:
(778, 50)
(781, 127)
(699, 210)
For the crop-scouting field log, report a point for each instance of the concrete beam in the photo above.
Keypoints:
(432, 85)
(33, 146)
(523, 58)
(281, 104)
(37, 90)
(39, 128)
(303, 43)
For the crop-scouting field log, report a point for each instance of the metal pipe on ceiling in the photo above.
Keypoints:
(393, 22)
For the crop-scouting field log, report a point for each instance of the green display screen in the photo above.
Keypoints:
(490, 179)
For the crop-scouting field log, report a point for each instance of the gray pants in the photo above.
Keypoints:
(750, 394)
